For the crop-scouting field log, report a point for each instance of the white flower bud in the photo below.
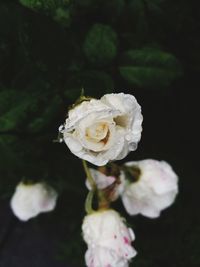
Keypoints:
(31, 199)
(101, 180)
(108, 238)
(155, 188)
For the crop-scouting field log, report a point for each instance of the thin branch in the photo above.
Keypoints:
(89, 176)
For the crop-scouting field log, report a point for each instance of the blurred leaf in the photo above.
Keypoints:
(12, 116)
(149, 67)
(47, 116)
(18, 109)
(144, 18)
(7, 154)
(46, 42)
(7, 97)
(58, 9)
(9, 165)
(44, 5)
(62, 16)
(100, 46)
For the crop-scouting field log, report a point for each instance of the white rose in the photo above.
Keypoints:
(31, 199)
(103, 130)
(108, 239)
(155, 189)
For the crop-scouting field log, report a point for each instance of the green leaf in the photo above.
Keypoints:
(9, 161)
(14, 109)
(45, 5)
(48, 115)
(149, 67)
(100, 46)
(144, 17)
(33, 111)
(58, 9)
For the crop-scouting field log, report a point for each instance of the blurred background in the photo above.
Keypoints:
(49, 50)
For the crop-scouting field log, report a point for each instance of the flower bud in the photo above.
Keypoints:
(154, 187)
(108, 239)
(31, 199)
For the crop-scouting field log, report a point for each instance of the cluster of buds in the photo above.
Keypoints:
(145, 187)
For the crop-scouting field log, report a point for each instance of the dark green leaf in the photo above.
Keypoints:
(149, 67)
(20, 110)
(58, 9)
(15, 108)
(49, 113)
(44, 5)
(100, 45)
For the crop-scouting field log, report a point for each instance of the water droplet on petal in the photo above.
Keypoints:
(132, 146)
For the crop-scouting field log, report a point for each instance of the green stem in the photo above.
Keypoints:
(89, 199)
(89, 176)
(104, 203)
(88, 202)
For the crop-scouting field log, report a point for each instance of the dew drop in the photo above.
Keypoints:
(132, 146)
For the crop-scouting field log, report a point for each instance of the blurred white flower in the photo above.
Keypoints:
(103, 181)
(155, 188)
(31, 199)
(103, 130)
(108, 239)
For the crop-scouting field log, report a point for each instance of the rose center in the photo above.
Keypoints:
(97, 132)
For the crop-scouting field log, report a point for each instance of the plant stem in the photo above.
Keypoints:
(89, 199)
(88, 202)
(89, 176)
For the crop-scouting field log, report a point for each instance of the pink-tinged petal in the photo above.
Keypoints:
(102, 181)
(126, 240)
(155, 189)
(108, 239)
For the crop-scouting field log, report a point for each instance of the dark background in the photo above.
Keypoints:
(51, 49)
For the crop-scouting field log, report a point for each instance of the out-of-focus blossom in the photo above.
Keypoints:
(31, 199)
(102, 181)
(155, 188)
